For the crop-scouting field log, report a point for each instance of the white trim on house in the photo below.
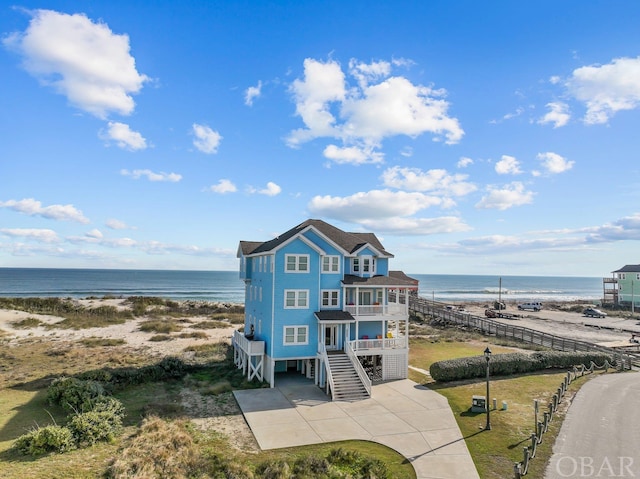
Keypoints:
(297, 263)
(299, 295)
(294, 334)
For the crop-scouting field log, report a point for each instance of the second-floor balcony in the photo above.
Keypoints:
(393, 309)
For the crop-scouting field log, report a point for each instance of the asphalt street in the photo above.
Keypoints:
(600, 436)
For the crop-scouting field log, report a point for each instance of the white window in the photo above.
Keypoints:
(622, 276)
(368, 265)
(271, 264)
(637, 275)
(330, 298)
(296, 335)
(297, 263)
(355, 265)
(331, 264)
(296, 299)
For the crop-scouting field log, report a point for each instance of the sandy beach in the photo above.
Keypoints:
(128, 331)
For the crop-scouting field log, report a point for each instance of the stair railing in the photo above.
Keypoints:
(325, 359)
(357, 365)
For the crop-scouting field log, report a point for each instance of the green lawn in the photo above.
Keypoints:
(494, 452)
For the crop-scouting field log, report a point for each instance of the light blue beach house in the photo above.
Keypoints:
(624, 287)
(322, 302)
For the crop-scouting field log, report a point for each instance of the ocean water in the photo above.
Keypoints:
(226, 286)
(477, 288)
(222, 286)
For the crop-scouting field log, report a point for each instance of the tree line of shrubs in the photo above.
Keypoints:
(94, 414)
(513, 363)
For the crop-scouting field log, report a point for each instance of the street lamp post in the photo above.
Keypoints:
(487, 356)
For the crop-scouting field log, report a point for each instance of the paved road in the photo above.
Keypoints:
(600, 436)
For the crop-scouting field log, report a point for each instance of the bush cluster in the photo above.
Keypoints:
(95, 417)
(513, 363)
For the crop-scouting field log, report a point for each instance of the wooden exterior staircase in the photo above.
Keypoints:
(347, 384)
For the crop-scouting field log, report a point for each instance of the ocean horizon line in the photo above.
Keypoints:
(492, 275)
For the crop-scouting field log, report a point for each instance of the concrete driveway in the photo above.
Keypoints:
(407, 417)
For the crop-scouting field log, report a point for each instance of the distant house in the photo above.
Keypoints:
(624, 287)
(322, 302)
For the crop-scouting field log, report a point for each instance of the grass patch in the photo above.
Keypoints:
(27, 323)
(209, 351)
(193, 335)
(101, 342)
(209, 324)
(494, 452)
(233, 318)
(160, 326)
(156, 338)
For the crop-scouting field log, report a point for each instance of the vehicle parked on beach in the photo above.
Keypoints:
(533, 305)
(594, 313)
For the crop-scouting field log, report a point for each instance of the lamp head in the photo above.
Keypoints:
(487, 353)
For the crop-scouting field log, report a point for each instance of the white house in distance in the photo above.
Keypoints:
(322, 302)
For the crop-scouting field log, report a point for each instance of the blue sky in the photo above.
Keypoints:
(472, 137)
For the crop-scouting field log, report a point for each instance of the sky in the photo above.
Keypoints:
(471, 137)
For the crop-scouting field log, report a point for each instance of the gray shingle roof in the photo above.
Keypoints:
(350, 242)
(629, 268)
(334, 315)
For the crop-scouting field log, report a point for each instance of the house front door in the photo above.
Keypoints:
(331, 338)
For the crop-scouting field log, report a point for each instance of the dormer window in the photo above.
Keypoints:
(364, 265)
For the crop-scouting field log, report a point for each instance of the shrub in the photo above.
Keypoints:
(109, 404)
(74, 394)
(276, 469)
(512, 363)
(90, 427)
(45, 439)
(160, 449)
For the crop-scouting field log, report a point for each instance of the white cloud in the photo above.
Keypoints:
(366, 73)
(463, 162)
(417, 226)
(123, 136)
(152, 176)
(116, 224)
(271, 190)
(554, 163)
(438, 181)
(40, 235)
(31, 207)
(251, 93)
(95, 233)
(323, 83)
(607, 89)
(223, 186)
(361, 115)
(82, 60)
(375, 204)
(352, 155)
(557, 115)
(513, 194)
(207, 140)
(508, 165)
(398, 107)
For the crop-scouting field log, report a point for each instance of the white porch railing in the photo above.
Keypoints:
(325, 360)
(377, 310)
(362, 374)
(248, 355)
(385, 343)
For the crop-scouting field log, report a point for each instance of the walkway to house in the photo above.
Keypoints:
(407, 417)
